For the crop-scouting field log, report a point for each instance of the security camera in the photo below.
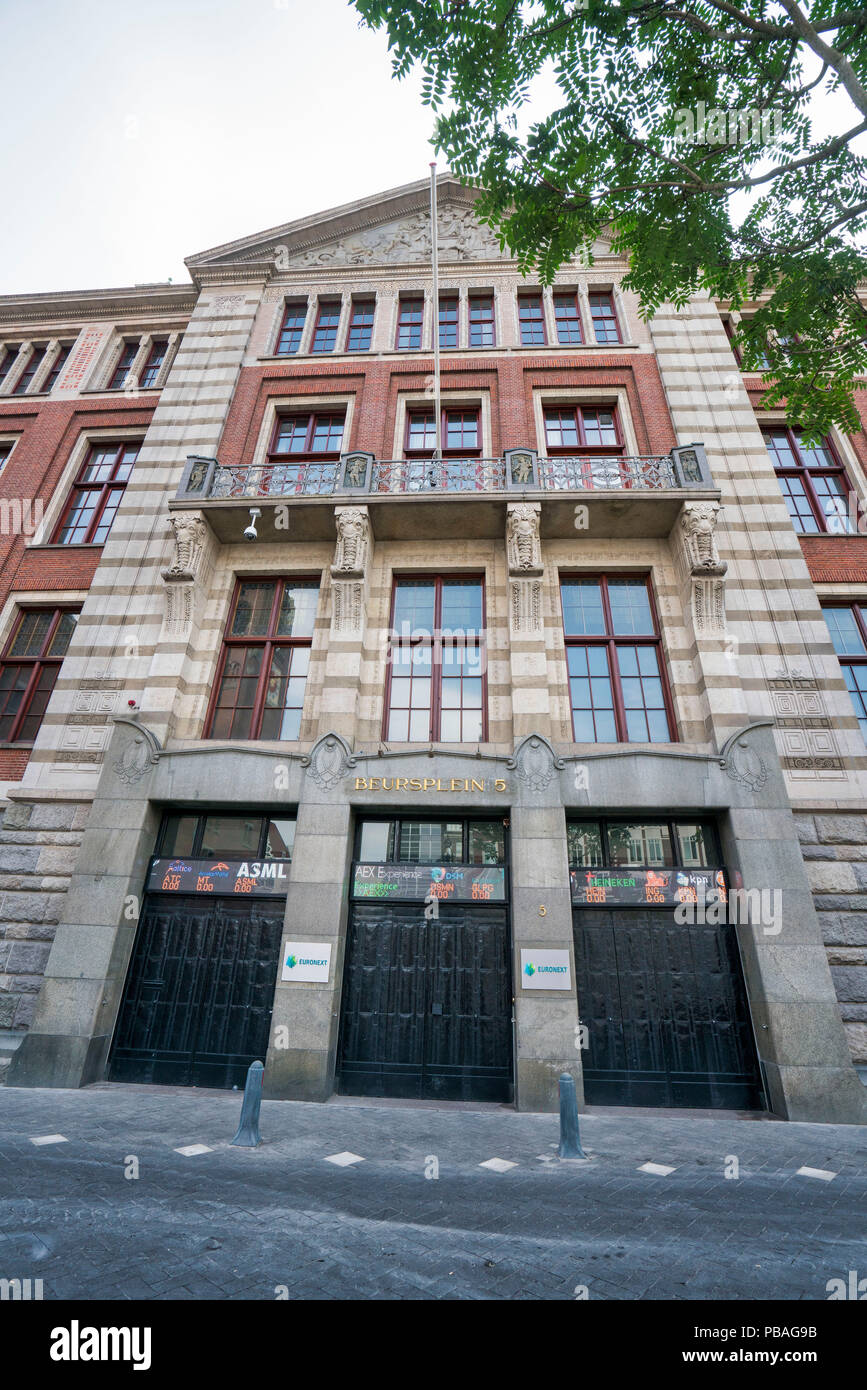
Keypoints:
(250, 533)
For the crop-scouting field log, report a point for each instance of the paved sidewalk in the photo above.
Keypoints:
(245, 1224)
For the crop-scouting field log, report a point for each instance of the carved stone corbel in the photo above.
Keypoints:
(703, 569)
(349, 571)
(190, 536)
(524, 557)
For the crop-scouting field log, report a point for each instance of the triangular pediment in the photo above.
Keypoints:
(391, 228)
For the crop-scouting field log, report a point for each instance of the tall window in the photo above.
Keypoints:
(410, 316)
(436, 680)
(360, 334)
(57, 367)
(459, 433)
(847, 625)
(448, 321)
(6, 447)
(813, 483)
(34, 362)
(325, 332)
(7, 357)
(304, 452)
(531, 318)
(96, 494)
(266, 655)
(605, 325)
(156, 357)
(568, 318)
(584, 446)
(28, 669)
(128, 355)
(481, 308)
(289, 337)
(616, 682)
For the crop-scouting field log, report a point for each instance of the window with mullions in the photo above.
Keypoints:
(588, 441)
(687, 843)
(813, 482)
(416, 841)
(34, 362)
(459, 433)
(602, 312)
(327, 320)
(184, 834)
(96, 494)
(289, 337)
(617, 686)
(436, 678)
(531, 319)
(128, 354)
(360, 332)
(410, 317)
(448, 321)
(847, 624)
(262, 673)
(568, 319)
(57, 367)
(481, 311)
(304, 453)
(29, 668)
(153, 365)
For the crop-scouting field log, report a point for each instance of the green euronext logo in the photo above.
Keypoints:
(530, 969)
(291, 962)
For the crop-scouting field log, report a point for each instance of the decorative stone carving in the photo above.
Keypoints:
(140, 754)
(698, 521)
(742, 762)
(525, 605)
(709, 607)
(459, 237)
(353, 540)
(347, 619)
(522, 468)
(523, 547)
(535, 763)
(329, 760)
(189, 529)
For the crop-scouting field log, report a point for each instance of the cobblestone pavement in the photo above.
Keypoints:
(235, 1223)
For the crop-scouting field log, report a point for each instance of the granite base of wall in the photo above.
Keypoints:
(835, 851)
(39, 842)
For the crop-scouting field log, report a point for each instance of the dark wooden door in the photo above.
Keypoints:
(666, 1010)
(427, 1004)
(197, 1006)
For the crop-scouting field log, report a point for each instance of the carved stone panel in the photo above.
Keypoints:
(523, 547)
(525, 605)
(353, 541)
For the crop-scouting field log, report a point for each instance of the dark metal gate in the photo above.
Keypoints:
(666, 1010)
(197, 1005)
(427, 1004)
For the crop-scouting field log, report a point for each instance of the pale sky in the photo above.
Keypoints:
(136, 134)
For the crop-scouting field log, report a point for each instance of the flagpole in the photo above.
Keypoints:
(436, 311)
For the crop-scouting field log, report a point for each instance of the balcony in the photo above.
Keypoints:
(465, 497)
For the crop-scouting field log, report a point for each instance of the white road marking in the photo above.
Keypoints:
(49, 1139)
(190, 1150)
(824, 1173)
(658, 1168)
(498, 1165)
(345, 1159)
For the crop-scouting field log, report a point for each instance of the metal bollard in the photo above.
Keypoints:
(570, 1139)
(248, 1136)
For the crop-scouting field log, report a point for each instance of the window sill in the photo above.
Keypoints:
(503, 349)
(59, 545)
(118, 391)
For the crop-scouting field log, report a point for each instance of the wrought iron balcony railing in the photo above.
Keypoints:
(519, 470)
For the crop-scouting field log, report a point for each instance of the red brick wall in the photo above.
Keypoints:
(48, 431)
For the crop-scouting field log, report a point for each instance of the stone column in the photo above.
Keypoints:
(531, 711)
(47, 362)
(11, 378)
(463, 316)
(548, 312)
(547, 1023)
(338, 705)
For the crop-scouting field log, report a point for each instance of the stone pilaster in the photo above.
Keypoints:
(338, 704)
(528, 656)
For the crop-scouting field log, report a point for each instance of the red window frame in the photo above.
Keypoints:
(567, 315)
(854, 660)
(578, 413)
(283, 460)
(10, 352)
(482, 325)
(448, 417)
(128, 352)
(531, 320)
(34, 362)
(326, 326)
(115, 482)
(410, 323)
(449, 320)
(808, 474)
(291, 328)
(156, 358)
(435, 643)
(57, 366)
(606, 317)
(611, 641)
(269, 643)
(359, 333)
(40, 662)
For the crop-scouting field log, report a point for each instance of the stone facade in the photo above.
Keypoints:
(764, 723)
